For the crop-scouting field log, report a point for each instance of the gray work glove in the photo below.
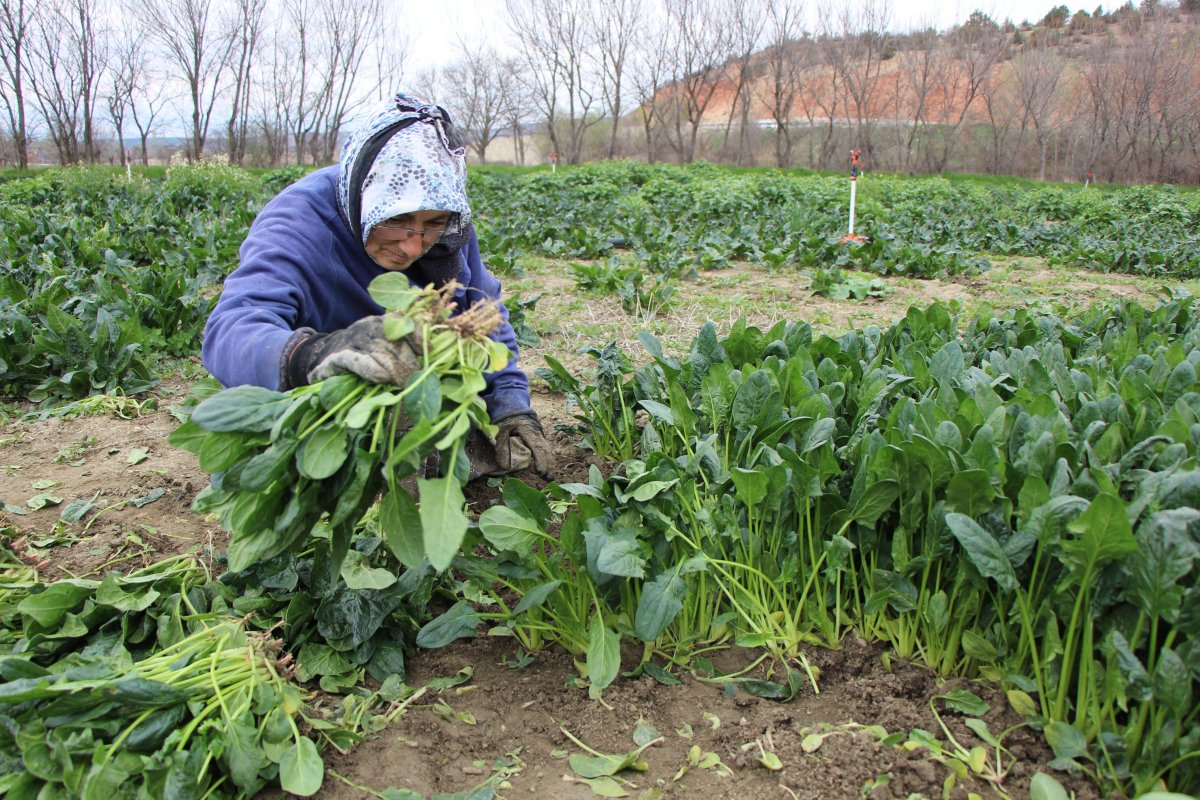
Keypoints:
(361, 349)
(521, 441)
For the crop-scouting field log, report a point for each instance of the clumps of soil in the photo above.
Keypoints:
(451, 741)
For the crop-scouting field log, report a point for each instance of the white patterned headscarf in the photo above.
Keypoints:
(408, 157)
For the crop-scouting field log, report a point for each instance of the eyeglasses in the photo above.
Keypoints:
(403, 231)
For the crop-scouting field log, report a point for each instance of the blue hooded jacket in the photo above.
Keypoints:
(301, 266)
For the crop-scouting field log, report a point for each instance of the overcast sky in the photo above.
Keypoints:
(486, 20)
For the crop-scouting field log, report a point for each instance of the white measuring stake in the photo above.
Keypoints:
(853, 190)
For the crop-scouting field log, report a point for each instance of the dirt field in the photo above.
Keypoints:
(505, 729)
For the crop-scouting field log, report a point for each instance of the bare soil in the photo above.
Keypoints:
(141, 512)
(569, 320)
(453, 741)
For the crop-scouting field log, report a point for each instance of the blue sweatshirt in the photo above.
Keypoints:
(302, 267)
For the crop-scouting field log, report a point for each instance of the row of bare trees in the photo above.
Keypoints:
(281, 77)
(788, 82)
(793, 83)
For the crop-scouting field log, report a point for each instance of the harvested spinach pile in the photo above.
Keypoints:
(340, 628)
(284, 461)
(145, 686)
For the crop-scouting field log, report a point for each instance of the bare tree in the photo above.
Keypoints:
(244, 35)
(273, 102)
(147, 107)
(855, 50)
(1154, 98)
(974, 49)
(1000, 108)
(91, 49)
(476, 96)
(135, 93)
(68, 62)
(517, 104)
(55, 85)
(556, 37)
(786, 44)
(922, 62)
(1133, 101)
(651, 68)
(824, 100)
(745, 21)
(390, 47)
(323, 46)
(300, 44)
(1039, 76)
(286, 76)
(348, 26)
(427, 82)
(616, 23)
(1097, 104)
(187, 33)
(698, 55)
(127, 64)
(1178, 107)
(16, 19)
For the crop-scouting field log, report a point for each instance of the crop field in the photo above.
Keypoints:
(914, 517)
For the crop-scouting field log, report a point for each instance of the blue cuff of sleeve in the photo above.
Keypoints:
(504, 402)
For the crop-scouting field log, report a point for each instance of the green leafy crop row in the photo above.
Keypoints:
(1013, 497)
(99, 274)
(921, 228)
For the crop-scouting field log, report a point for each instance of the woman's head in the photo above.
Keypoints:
(405, 170)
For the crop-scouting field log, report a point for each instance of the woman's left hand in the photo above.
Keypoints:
(523, 428)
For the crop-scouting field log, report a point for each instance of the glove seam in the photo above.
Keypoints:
(298, 339)
(531, 414)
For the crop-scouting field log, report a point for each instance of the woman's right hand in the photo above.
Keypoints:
(361, 349)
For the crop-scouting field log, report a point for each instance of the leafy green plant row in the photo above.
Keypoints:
(710, 216)
(99, 274)
(1008, 496)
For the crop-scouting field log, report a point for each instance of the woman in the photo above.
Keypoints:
(296, 310)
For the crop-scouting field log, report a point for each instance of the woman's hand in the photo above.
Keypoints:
(522, 432)
(361, 349)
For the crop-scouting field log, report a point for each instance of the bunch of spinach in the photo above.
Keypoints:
(284, 461)
(145, 686)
